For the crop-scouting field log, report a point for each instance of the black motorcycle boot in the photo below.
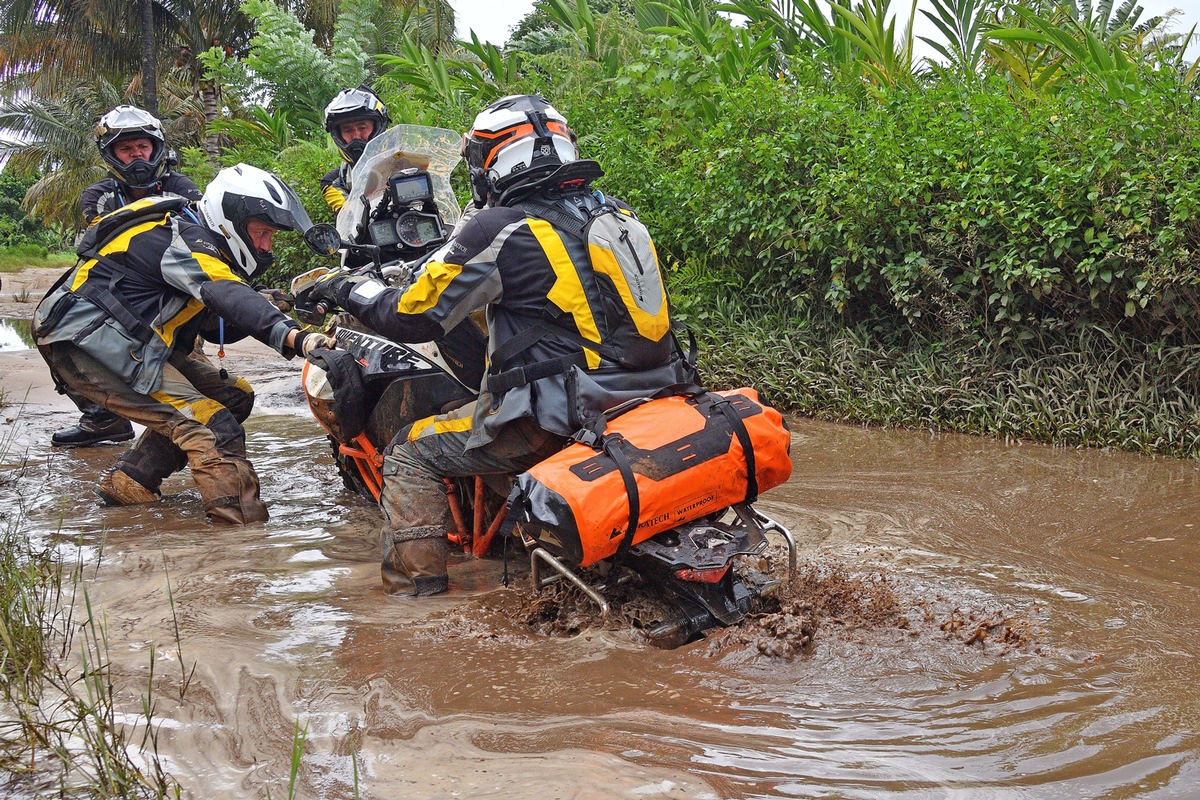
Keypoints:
(422, 562)
(93, 431)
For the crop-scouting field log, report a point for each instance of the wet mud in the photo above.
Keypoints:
(969, 619)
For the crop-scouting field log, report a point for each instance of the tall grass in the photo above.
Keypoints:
(1082, 387)
(59, 728)
(21, 256)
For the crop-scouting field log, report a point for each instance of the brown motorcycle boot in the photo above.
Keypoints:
(118, 489)
(229, 486)
(416, 564)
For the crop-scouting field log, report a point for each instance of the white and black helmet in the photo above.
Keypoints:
(131, 122)
(349, 105)
(516, 145)
(241, 193)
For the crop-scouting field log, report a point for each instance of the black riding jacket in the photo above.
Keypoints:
(108, 195)
(522, 270)
(145, 293)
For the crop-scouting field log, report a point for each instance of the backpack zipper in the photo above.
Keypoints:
(624, 237)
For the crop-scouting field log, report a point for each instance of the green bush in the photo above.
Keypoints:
(301, 166)
(1093, 388)
(937, 208)
(17, 230)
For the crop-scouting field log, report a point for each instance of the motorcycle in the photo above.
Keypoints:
(401, 208)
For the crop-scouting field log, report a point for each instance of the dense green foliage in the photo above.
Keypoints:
(17, 229)
(940, 209)
(1021, 213)
(23, 240)
(1095, 388)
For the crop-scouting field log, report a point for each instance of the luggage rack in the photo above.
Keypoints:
(748, 518)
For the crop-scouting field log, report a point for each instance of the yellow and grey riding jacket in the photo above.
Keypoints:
(335, 187)
(147, 275)
(573, 329)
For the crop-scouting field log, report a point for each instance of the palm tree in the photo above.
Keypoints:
(149, 67)
(49, 46)
(57, 142)
(52, 46)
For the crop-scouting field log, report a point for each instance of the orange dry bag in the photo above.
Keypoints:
(662, 463)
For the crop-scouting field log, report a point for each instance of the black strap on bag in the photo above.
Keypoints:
(110, 302)
(612, 448)
(723, 405)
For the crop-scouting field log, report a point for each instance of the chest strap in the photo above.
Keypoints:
(113, 305)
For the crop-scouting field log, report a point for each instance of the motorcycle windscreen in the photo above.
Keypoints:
(687, 461)
(399, 148)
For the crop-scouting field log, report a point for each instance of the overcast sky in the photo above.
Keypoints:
(493, 19)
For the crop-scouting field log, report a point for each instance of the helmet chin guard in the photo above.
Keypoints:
(241, 193)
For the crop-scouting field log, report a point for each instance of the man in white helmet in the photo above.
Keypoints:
(134, 150)
(576, 324)
(119, 326)
(353, 118)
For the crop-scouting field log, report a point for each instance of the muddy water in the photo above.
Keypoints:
(284, 624)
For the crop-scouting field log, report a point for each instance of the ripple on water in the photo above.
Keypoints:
(285, 625)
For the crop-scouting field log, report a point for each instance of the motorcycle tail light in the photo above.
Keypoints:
(713, 575)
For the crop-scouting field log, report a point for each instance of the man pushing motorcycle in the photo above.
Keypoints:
(118, 328)
(577, 320)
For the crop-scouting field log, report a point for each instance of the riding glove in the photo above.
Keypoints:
(307, 341)
(334, 288)
(280, 299)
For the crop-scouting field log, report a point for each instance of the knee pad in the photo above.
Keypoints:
(228, 431)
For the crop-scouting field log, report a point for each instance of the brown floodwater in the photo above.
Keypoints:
(1090, 555)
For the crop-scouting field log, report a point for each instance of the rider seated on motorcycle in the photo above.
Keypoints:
(560, 346)
(353, 118)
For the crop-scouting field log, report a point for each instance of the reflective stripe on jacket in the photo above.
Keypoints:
(162, 274)
(523, 269)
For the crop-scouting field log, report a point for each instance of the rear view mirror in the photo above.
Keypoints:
(323, 239)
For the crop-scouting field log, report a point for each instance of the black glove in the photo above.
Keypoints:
(280, 299)
(332, 289)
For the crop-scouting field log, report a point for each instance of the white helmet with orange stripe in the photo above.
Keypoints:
(514, 145)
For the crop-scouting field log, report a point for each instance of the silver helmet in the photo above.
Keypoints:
(131, 122)
(349, 105)
(514, 144)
